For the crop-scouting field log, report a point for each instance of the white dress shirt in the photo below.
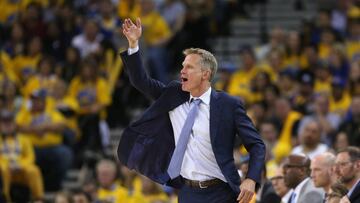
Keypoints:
(199, 161)
(287, 196)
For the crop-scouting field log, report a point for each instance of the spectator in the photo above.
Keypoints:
(347, 167)
(152, 193)
(304, 100)
(340, 100)
(322, 170)
(17, 161)
(25, 64)
(288, 120)
(310, 136)
(327, 121)
(62, 197)
(336, 192)
(266, 193)
(156, 36)
(109, 189)
(296, 176)
(44, 127)
(44, 78)
(91, 93)
(80, 197)
(351, 121)
(89, 40)
(280, 187)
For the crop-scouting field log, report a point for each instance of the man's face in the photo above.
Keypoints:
(311, 134)
(320, 172)
(279, 184)
(192, 75)
(7, 127)
(294, 170)
(345, 169)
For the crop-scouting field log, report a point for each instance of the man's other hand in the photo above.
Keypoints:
(247, 190)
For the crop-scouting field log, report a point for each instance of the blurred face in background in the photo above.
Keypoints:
(345, 168)
(310, 136)
(106, 174)
(278, 183)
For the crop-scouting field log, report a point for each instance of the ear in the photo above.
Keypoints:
(206, 75)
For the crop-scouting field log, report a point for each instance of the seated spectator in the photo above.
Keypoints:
(348, 169)
(110, 189)
(92, 95)
(336, 192)
(322, 170)
(328, 121)
(351, 122)
(89, 40)
(62, 197)
(80, 197)
(44, 78)
(44, 127)
(309, 137)
(17, 161)
(279, 185)
(152, 192)
(297, 177)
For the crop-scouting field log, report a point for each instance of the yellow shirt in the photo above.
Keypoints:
(116, 194)
(323, 86)
(284, 145)
(50, 116)
(240, 83)
(340, 107)
(26, 65)
(16, 149)
(126, 11)
(39, 82)
(324, 51)
(155, 28)
(353, 50)
(90, 92)
(156, 197)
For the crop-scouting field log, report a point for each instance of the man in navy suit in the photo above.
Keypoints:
(185, 138)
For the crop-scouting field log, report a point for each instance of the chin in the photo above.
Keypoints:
(183, 88)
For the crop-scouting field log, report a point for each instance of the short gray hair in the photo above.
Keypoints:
(207, 59)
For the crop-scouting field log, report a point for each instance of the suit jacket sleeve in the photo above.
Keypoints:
(139, 79)
(252, 142)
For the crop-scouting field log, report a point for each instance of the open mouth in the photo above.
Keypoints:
(184, 79)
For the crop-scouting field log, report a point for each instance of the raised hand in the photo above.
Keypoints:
(132, 31)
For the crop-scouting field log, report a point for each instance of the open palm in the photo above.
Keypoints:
(132, 31)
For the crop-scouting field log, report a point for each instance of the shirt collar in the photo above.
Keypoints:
(205, 98)
(298, 188)
(287, 196)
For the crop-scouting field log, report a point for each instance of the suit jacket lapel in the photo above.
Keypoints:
(214, 114)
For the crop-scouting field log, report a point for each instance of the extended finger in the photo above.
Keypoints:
(241, 196)
(138, 23)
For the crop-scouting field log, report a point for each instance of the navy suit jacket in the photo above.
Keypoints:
(148, 144)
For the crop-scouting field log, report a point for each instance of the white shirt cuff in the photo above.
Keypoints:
(133, 50)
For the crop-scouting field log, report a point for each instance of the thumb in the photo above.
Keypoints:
(138, 22)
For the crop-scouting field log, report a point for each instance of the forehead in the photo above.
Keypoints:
(191, 58)
(343, 156)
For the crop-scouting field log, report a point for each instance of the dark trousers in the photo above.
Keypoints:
(221, 193)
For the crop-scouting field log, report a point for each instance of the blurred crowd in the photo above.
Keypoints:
(63, 89)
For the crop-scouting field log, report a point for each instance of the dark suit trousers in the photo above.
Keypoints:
(221, 193)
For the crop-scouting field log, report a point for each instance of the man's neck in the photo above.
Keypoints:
(200, 91)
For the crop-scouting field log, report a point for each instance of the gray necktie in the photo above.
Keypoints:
(178, 155)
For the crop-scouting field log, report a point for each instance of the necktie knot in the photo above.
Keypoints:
(196, 101)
